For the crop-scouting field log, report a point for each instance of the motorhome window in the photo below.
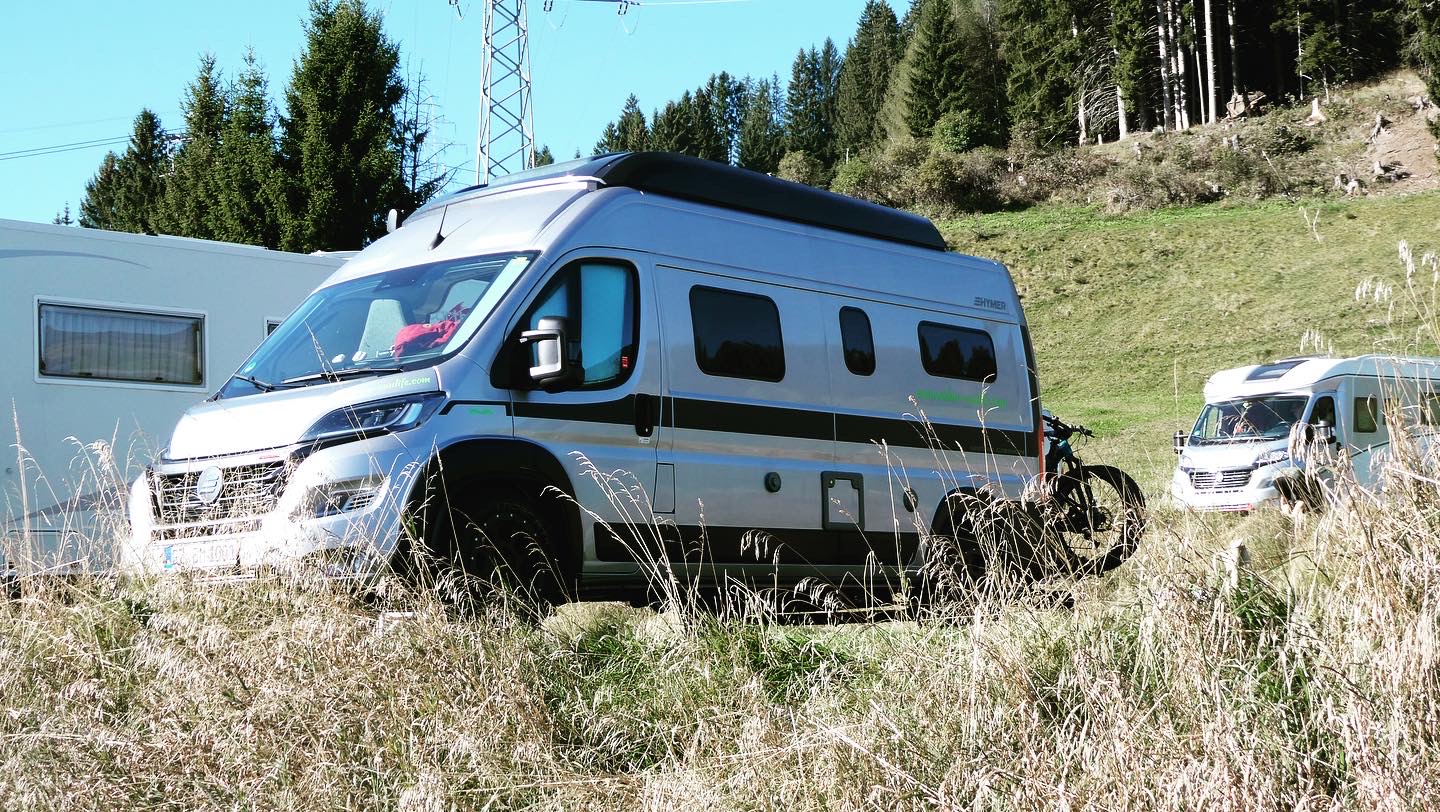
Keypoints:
(1323, 412)
(598, 302)
(1430, 411)
(957, 352)
(1267, 417)
(270, 325)
(1367, 415)
(100, 344)
(857, 340)
(406, 318)
(737, 335)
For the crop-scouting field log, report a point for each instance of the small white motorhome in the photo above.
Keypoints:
(112, 336)
(739, 345)
(1240, 452)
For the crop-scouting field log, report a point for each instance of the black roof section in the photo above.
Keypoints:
(730, 187)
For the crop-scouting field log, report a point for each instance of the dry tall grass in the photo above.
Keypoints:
(1309, 680)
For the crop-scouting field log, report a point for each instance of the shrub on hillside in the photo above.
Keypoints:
(949, 182)
(802, 168)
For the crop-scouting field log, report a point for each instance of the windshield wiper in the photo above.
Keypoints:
(339, 375)
(263, 386)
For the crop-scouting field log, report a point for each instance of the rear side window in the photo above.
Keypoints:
(737, 335)
(858, 341)
(957, 352)
(1367, 415)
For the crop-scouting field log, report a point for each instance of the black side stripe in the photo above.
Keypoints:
(745, 418)
(493, 404)
(779, 421)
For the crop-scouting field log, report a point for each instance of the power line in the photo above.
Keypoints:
(53, 149)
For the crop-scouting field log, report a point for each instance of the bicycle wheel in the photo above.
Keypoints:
(1100, 517)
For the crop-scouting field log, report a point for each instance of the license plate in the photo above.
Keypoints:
(199, 554)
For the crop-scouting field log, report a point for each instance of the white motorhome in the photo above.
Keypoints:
(1240, 452)
(112, 336)
(739, 345)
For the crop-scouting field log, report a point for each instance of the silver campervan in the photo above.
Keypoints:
(609, 365)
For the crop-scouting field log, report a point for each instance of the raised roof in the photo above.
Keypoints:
(730, 187)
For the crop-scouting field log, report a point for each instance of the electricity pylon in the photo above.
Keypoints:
(506, 142)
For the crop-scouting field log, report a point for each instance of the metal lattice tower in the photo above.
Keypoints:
(506, 142)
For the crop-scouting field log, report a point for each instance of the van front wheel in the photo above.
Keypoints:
(497, 544)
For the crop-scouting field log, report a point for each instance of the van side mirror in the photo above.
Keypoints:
(1325, 433)
(1179, 440)
(552, 366)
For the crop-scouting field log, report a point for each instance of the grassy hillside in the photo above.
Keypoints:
(1131, 313)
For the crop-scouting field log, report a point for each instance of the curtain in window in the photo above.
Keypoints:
(82, 342)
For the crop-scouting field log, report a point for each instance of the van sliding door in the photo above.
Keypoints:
(752, 432)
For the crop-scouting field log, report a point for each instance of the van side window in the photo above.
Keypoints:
(1323, 412)
(1367, 415)
(957, 352)
(737, 335)
(857, 340)
(598, 302)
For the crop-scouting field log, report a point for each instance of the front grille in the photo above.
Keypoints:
(246, 492)
(1227, 479)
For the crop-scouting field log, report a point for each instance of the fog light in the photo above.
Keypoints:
(334, 498)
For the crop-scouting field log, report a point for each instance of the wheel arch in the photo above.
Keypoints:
(509, 462)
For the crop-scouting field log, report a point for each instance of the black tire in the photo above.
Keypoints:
(482, 542)
(1100, 526)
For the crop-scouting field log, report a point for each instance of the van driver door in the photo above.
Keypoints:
(602, 422)
(1365, 435)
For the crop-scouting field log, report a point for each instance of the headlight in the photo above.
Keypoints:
(1272, 457)
(376, 417)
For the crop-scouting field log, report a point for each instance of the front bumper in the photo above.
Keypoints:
(342, 505)
(1259, 489)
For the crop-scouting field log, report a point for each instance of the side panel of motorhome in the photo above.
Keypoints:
(112, 336)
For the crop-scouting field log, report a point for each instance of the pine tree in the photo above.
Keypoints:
(191, 190)
(1425, 44)
(762, 133)
(250, 184)
(543, 157)
(670, 127)
(709, 140)
(870, 59)
(1135, 60)
(934, 69)
(810, 103)
(63, 218)
(98, 206)
(337, 134)
(126, 193)
(1043, 57)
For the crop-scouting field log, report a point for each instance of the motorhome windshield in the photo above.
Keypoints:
(377, 324)
(1267, 417)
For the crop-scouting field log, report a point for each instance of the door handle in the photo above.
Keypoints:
(646, 414)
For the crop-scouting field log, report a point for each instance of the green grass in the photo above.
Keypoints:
(1131, 313)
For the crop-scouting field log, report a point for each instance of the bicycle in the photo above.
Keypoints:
(1098, 509)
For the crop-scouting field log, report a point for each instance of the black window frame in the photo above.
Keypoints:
(1370, 406)
(200, 324)
(700, 361)
(930, 365)
(845, 345)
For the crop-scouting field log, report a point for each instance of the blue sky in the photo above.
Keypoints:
(78, 72)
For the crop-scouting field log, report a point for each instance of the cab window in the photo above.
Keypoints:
(598, 301)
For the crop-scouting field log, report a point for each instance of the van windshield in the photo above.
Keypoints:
(378, 324)
(1266, 417)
